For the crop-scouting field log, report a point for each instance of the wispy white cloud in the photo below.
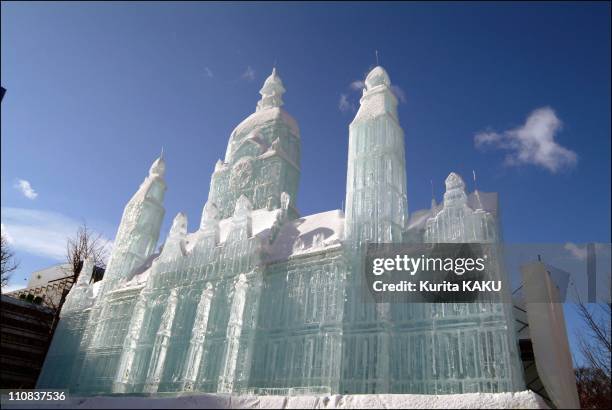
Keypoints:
(208, 72)
(357, 85)
(532, 143)
(10, 287)
(399, 93)
(248, 74)
(41, 233)
(26, 189)
(5, 234)
(576, 251)
(344, 104)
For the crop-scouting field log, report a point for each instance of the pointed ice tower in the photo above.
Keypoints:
(457, 222)
(376, 203)
(139, 228)
(376, 211)
(263, 157)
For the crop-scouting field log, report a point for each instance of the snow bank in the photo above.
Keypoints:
(519, 400)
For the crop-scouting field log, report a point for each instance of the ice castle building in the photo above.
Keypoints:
(263, 300)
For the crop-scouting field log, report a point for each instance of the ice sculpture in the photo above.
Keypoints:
(262, 300)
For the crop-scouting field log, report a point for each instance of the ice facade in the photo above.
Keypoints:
(263, 300)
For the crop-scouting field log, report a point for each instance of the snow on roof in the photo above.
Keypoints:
(310, 233)
(261, 117)
(262, 221)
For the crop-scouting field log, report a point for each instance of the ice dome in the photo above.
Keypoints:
(268, 113)
(378, 76)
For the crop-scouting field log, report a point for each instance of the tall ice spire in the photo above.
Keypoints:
(139, 227)
(376, 203)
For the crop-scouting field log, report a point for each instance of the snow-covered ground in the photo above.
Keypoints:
(519, 400)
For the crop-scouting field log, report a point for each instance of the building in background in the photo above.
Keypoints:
(48, 286)
(29, 318)
(25, 333)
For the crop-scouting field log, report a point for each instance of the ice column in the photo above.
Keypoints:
(376, 203)
(376, 211)
(196, 344)
(125, 372)
(235, 367)
(160, 347)
(226, 382)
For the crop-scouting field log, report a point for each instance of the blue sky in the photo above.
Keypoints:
(518, 92)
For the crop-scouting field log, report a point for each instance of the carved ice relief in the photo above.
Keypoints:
(242, 173)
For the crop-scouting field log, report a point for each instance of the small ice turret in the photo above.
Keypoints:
(209, 233)
(242, 221)
(175, 244)
(140, 226)
(271, 92)
(81, 293)
(457, 222)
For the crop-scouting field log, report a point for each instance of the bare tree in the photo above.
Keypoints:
(596, 342)
(85, 244)
(7, 259)
(594, 382)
